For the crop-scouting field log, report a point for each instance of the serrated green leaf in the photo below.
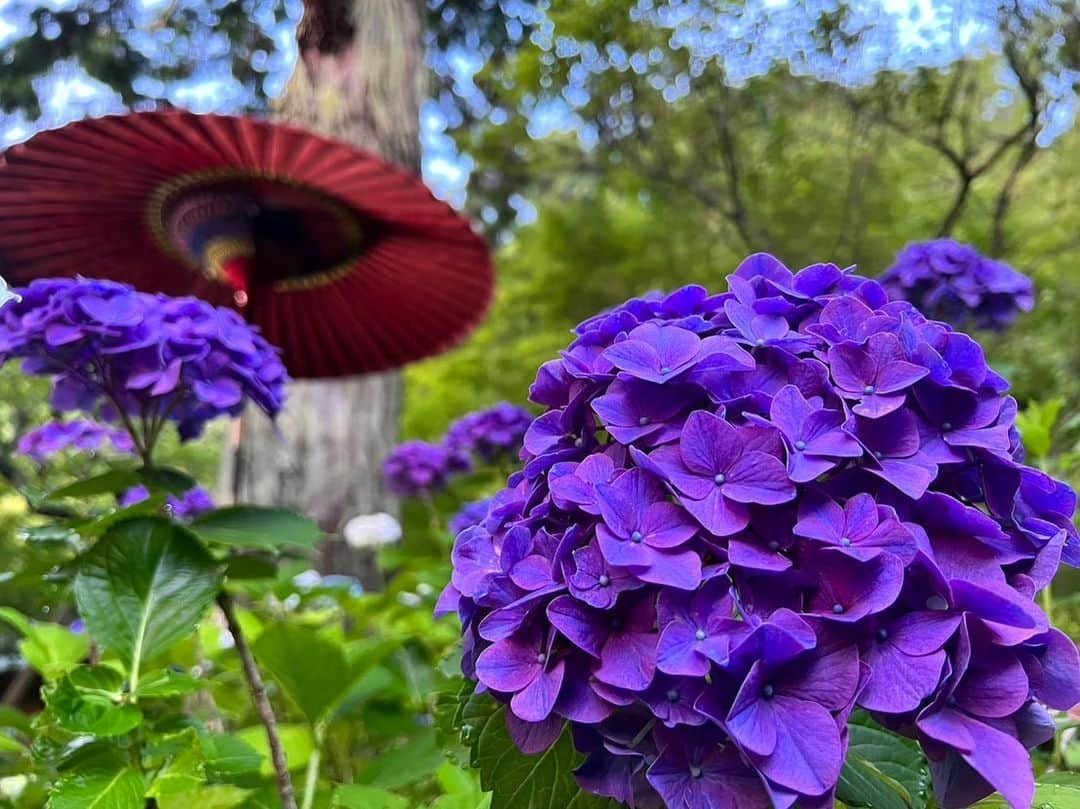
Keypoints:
(226, 757)
(104, 782)
(166, 683)
(898, 759)
(116, 481)
(144, 586)
(357, 796)
(257, 527)
(51, 649)
(98, 525)
(515, 780)
(90, 700)
(863, 785)
(183, 773)
(310, 669)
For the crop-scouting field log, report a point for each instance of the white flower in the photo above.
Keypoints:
(372, 530)
(6, 294)
(13, 786)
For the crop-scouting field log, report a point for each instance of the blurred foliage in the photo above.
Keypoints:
(679, 147)
(354, 678)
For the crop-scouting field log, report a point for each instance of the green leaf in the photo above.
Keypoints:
(515, 780)
(257, 527)
(218, 796)
(97, 525)
(10, 745)
(1036, 425)
(862, 784)
(1047, 796)
(117, 481)
(51, 534)
(311, 669)
(365, 797)
(456, 781)
(227, 757)
(267, 797)
(419, 758)
(884, 763)
(166, 683)
(50, 649)
(144, 586)
(104, 782)
(183, 773)
(15, 719)
(90, 700)
(296, 741)
(250, 566)
(16, 619)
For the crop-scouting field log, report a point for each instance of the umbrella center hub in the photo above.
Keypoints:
(251, 231)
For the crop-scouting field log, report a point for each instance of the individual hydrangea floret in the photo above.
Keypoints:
(191, 504)
(81, 435)
(470, 514)
(140, 359)
(418, 468)
(955, 283)
(493, 433)
(743, 516)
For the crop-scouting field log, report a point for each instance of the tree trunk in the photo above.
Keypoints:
(361, 78)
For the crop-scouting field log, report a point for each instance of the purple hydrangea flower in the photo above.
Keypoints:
(743, 516)
(140, 359)
(496, 432)
(193, 503)
(954, 282)
(471, 514)
(185, 508)
(419, 467)
(82, 435)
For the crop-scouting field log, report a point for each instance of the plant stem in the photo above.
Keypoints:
(311, 778)
(1047, 599)
(262, 702)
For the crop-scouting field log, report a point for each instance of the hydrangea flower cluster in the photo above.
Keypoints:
(138, 358)
(493, 433)
(78, 434)
(745, 515)
(954, 282)
(193, 503)
(421, 468)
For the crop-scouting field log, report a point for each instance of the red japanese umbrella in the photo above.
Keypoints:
(345, 261)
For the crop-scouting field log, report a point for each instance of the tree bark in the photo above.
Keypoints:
(361, 77)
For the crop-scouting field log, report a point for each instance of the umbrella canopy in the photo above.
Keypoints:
(345, 261)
